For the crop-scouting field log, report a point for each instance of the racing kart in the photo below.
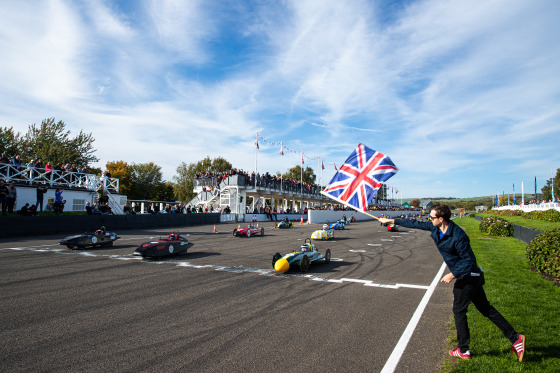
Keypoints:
(300, 259)
(392, 227)
(100, 238)
(284, 224)
(325, 234)
(174, 244)
(251, 230)
(338, 225)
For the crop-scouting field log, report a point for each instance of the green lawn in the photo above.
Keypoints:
(530, 223)
(529, 302)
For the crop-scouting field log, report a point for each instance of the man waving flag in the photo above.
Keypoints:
(358, 180)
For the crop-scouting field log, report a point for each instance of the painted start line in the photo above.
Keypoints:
(393, 360)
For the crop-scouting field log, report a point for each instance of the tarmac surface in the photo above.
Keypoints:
(221, 307)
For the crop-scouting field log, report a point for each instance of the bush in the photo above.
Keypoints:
(506, 213)
(551, 215)
(544, 252)
(496, 226)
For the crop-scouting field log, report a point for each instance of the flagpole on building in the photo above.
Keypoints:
(514, 194)
(522, 194)
(256, 152)
(281, 162)
(301, 180)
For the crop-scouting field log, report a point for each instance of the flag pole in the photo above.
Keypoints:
(343, 203)
(281, 163)
(256, 152)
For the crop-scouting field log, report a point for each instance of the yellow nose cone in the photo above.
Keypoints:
(281, 265)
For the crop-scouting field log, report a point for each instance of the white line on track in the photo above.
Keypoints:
(398, 351)
(236, 269)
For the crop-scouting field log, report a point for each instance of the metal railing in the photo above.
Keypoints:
(56, 178)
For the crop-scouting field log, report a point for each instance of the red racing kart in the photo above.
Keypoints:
(248, 231)
(174, 244)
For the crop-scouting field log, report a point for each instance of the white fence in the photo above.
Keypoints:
(55, 178)
(530, 207)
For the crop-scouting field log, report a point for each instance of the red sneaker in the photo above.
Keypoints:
(519, 347)
(457, 353)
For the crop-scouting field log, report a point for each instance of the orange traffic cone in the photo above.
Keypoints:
(308, 220)
(301, 222)
(215, 229)
(257, 225)
(239, 226)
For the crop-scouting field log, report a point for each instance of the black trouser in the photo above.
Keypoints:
(469, 289)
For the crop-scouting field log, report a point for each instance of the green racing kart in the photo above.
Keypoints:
(300, 259)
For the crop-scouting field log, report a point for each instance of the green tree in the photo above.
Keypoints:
(184, 180)
(144, 178)
(10, 142)
(164, 191)
(547, 189)
(295, 174)
(51, 141)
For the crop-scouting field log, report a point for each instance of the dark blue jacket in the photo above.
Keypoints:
(455, 246)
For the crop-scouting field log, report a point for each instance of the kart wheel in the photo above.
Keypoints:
(248, 233)
(304, 263)
(275, 258)
(70, 246)
(234, 231)
(108, 244)
(262, 231)
(171, 248)
(327, 256)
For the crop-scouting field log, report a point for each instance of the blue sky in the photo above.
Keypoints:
(464, 96)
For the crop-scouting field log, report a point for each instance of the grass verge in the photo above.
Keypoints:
(530, 223)
(530, 303)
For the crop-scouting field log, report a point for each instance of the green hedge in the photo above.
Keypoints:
(496, 226)
(551, 215)
(544, 252)
(506, 213)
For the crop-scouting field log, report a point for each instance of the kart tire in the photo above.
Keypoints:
(70, 246)
(275, 258)
(304, 263)
(262, 231)
(327, 256)
(249, 233)
(108, 244)
(234, 231)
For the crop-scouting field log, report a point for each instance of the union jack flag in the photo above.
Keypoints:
(358, 180)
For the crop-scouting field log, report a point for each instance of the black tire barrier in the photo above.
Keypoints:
(522, 233)
(76, 224)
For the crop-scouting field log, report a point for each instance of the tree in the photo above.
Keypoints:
(122, 171)
(547, 189)
(186, 174)
(51, 142)
(164, 191)
(144, 178)
(10, 142)
(415, 203)
(295, 174)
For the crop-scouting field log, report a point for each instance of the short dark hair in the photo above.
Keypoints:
(442, 211)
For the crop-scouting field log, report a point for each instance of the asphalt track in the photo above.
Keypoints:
(220, 307)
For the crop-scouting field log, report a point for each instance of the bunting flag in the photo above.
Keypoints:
(257, 141)
(302, 162)
(360, 177)
(322, 165)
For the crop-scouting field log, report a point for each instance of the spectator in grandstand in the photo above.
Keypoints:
(3, 194)
(11, 197)
(4, 159)
(100, 191)
(30, 168)
(41, 190)
(24, 211)
(17, 162)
